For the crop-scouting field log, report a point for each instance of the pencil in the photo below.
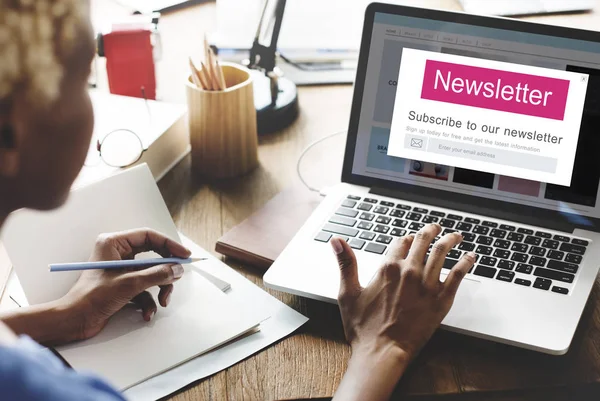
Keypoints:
(195, 76)
(209, 82)
(220, 75)
(120, 264)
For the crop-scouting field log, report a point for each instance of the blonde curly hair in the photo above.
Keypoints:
(36, 36)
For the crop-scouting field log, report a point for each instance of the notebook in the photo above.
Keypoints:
(200, 318)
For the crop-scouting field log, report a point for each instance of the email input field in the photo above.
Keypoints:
(481, 153)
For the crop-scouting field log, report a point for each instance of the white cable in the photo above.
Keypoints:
(305, 151)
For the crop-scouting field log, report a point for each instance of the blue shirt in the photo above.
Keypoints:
(29, 372)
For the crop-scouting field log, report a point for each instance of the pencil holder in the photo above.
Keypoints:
(223, 126)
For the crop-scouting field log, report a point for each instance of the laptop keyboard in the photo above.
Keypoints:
(505, 252)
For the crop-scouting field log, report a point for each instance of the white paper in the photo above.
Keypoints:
(129, 350)
(35, 239)
(284, 321)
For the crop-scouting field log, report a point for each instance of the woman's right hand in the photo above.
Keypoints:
(389, 321)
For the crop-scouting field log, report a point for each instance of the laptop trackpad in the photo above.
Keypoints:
(465, 299)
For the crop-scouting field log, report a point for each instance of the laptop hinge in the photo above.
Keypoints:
(457, 202)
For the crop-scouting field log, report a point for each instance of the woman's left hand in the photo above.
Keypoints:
(99, 294)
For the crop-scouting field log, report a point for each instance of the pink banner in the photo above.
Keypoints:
(486, 88)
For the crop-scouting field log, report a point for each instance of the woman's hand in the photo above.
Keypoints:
(99, 294)
(388, 322)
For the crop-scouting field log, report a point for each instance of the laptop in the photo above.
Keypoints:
(486, 126)
(525, 7)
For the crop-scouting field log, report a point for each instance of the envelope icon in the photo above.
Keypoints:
(416, 143)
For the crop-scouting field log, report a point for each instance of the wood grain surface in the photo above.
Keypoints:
(310, 364)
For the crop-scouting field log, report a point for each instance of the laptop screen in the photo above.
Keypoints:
(485, 108)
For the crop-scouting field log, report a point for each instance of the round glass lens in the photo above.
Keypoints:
(121, 148)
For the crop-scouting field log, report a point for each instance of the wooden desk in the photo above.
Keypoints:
(309, 364)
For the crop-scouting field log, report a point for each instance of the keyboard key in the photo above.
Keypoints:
(550, 244)
(537, 261)
(520, 281)
(481, 230)
(482, 239)
(501, 253)
(576, 249)
(483, 250)
(524, 268)
(563, 267)
(561, 238)
(345, 221)
(323, 237)
(571, 258)
(375, 248)
(384, 239)
(414, 216)
(488, 261)
(498, 233)
(515, 237)
(365, 206)
(468, 237)
(543, 234)
(507, 227)
(342, 237)
(449, 263)
(489, 224)
(505, 275)
(560, 290)
(430, 219)
(398, 232)
(557, 255)
(519, 257)
(580, 242)
(381, 210)
(466, 246)
(437, 214)
(379, 228)
(454, 217)
(403, 207)
(386, 203)
(383, 220)
(454, 254)
(416, 226)
(364, 225)
(447, 223)
(336, 229)
(349, 203)
(502, 244)
(519, 248)
(506, 264)
(353, 197)
(399, 223)
(472, 220)
(537, 251)
(420, 210)
(367, 235)
(367, 216)
(397, 213)
(462, 226)
(533, 240)
(356, 243)
(485, 271)
(371, 200)
(525, 231)
(554, 275)
(448, 231)
(542, 283)
(346, 212)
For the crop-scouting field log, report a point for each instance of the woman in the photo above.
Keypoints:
(46, 125)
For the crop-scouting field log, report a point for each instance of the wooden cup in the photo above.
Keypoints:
(223, 126)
